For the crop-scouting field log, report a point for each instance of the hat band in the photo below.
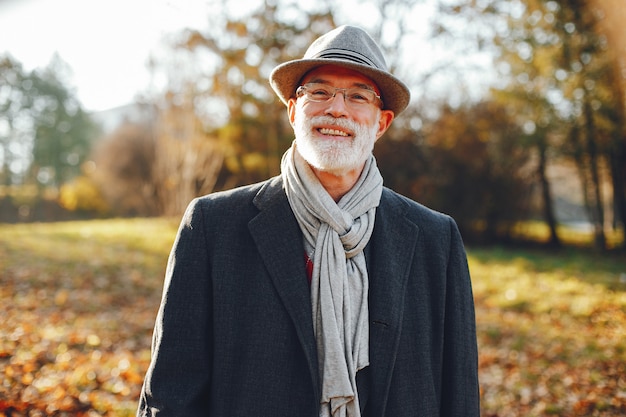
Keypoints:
(345, 55)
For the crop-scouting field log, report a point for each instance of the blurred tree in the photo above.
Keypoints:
(187, 159)
(124, 170)
(611, 24)
(63, 131)
(83, 195)
(402, 157)
(462, 161)
(558, 76)
(476, 172)
(44, 133)
(597, 116)
(251, 124)
(526, 61)
(157, 167)
(15, 125)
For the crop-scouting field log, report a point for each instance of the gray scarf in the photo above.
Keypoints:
(335, 235)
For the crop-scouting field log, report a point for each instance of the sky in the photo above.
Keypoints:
(106, 43)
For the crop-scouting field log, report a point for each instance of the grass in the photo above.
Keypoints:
(571, 236)
(552, 332)
(78, 305)
(78, 302)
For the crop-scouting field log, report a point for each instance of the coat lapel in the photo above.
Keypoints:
(392, 248)
(390, 252)
(278, 239)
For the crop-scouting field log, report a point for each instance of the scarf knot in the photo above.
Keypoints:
(354, 240)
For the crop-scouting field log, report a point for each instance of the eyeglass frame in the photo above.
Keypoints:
(301, 91)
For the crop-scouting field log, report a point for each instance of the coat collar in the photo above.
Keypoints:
(390, 253)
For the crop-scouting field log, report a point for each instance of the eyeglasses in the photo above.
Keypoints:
(355, 96)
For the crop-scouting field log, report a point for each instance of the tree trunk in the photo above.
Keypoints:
(618, 178)
(548, 207)
(598, 205)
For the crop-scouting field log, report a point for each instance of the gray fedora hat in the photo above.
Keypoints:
(349, 47)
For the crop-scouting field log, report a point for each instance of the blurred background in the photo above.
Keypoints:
(117, 109)
(115, 114)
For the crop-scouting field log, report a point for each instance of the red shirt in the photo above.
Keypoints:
(309, 267)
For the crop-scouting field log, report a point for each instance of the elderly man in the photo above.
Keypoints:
(319, 292)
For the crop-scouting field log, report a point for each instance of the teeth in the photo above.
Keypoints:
(332, 132)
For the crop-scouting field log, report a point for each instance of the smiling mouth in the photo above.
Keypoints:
(332, 132)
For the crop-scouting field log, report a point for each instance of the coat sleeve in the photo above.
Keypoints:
(460, 391)
(178, 379)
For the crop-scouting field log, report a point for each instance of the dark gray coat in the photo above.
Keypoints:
(234, 333)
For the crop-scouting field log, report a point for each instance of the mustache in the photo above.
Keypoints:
(334, 121)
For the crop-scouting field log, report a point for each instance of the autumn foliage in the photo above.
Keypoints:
(78, 306)
(78, 301)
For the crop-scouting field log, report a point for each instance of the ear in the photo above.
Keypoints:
(386, 117)
(291, 111)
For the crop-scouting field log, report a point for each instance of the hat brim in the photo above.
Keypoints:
(286, 77)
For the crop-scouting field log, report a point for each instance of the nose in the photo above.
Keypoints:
(336, 106)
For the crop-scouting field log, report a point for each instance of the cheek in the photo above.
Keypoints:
(368, 117)
(299, 113)
(311, 109)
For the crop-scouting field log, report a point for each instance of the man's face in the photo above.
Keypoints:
(337, 136)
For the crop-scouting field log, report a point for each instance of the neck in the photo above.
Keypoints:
(338, 184)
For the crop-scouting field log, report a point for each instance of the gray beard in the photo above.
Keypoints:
(335, 156)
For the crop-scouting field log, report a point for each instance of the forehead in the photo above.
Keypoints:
(338, 76)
